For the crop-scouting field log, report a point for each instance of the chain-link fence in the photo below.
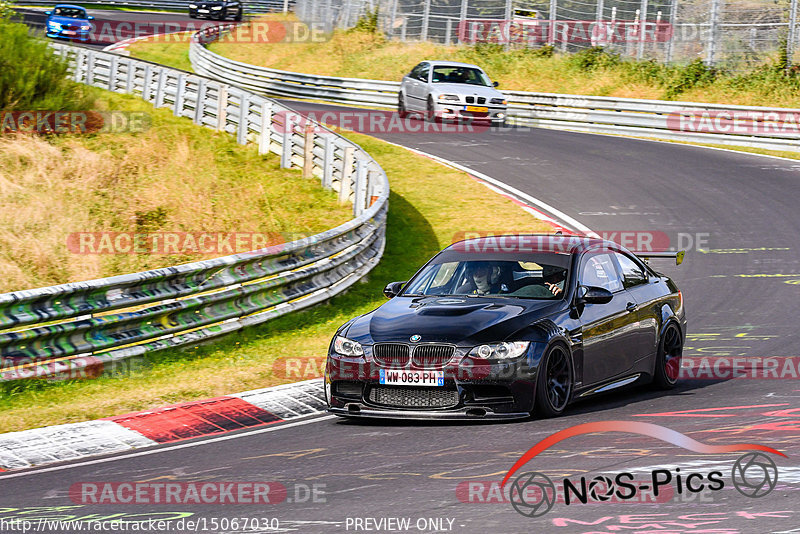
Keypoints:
(736, 35)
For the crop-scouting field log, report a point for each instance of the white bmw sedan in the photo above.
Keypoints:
(450, 91)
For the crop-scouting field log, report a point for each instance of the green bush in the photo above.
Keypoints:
(694, 74)
(32, 77)
(593, 58)
(368, 23)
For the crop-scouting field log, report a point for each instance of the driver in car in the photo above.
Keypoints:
(483, 278)
(554, 278)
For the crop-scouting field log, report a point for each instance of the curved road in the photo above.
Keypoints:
(741, 295)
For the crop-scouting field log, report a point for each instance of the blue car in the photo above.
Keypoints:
(69, 22)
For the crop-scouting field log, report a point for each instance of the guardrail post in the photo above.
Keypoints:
(347, 171)
(222, 108)
(244, 119)
(286, 149)
(160, 86)
(131, 77)
(148, 81)
(79, 64)
(90, 69)
(308, 151)
(327, 162)
(266, 127)
(200, 103)
(179, 91)
(112, 74)
(360, 189)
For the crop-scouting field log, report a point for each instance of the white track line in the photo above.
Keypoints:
(168, 448)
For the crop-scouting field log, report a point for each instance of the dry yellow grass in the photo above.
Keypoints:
(174, 177)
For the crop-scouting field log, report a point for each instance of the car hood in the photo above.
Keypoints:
(458, 319)
(67, 21)
(466, 89)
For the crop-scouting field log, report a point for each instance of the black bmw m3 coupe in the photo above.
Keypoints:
(509, 326)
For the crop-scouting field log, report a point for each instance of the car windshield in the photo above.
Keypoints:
(70, 12)
(541, 277)
(467, 75)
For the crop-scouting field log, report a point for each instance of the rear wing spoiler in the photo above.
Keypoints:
(647, 256)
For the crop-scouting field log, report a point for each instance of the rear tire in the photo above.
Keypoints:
(668, 358)
(554, 383)
(401, 106)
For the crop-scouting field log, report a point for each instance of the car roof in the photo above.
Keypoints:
(532, 243)
(450, 64)
(70, 6)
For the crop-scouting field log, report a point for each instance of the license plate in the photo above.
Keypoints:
(69, 32)
(476, 109)
(411, 378)
(202, 11)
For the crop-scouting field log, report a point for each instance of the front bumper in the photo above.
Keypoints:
(470, 389)
(355, 409)
(457, 111)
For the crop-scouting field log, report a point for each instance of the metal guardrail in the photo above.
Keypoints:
(250, 6)
(84, 327)
(593, 114)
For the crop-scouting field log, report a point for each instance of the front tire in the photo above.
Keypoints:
(430, 115)
(668, 358)
(238, 17)
(554, 383)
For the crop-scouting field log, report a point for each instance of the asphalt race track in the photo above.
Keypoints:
(741, 294)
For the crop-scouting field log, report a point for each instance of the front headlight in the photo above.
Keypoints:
(499, 101)
(192, 6)
(500, 351)
(85, 28)
(347, 347)
(217, 7)
(449, 98)
(54, 25)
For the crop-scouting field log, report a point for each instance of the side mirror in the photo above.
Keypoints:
(393, 289)
(495, 84)
(594, 295)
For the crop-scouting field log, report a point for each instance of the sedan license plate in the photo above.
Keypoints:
(411, 378)
(202, 11)
(476, 109)
(69, 32)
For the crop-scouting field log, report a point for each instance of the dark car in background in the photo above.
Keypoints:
(67, 21)
(217, 10)
(504, 331)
